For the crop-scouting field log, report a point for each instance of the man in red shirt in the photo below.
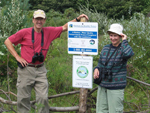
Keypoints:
(35, 42)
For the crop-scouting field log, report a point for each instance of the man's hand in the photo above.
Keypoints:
(81, 16)
(65, 27)
(23, 62)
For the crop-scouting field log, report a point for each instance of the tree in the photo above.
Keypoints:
(113, 8)
(13, 17)
(57, 5)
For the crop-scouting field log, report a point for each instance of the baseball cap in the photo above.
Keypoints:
(39, 13)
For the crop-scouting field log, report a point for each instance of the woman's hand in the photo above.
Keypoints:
(123, 36)
(96, 73)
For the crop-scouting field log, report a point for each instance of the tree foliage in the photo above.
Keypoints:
(13, 18)
(113, 8)
(57, 5)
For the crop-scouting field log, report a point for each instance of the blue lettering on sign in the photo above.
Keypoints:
(82, 50)
(82, 34)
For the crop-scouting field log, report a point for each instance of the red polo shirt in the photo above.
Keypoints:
(24, 37)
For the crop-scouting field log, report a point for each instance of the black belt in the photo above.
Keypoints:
(36, 66)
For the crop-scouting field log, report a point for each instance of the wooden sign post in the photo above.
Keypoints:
(83, 91)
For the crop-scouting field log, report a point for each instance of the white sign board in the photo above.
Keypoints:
(83, 38)
(82, 71)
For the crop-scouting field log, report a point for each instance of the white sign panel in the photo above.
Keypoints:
(82, 71)
(83, 38)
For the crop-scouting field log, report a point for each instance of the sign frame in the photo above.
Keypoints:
(83, 38)
(82, 72)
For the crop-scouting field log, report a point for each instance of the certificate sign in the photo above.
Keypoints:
(83, 38)
(82, 71)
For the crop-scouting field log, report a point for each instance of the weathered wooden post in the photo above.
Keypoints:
(83, 91)
(83, 100)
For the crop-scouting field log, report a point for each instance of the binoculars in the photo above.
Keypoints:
(38, 57)
(106, 73)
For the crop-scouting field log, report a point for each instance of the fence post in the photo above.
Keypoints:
(83, 91)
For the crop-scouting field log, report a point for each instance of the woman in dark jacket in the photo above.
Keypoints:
(112, 70)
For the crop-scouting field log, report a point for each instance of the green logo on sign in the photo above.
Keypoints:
(82, 72)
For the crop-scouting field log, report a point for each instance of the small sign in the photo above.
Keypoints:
(83, 38)
(82, 71)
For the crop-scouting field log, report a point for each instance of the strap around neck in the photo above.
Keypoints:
(42, 39)
(112, 54)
